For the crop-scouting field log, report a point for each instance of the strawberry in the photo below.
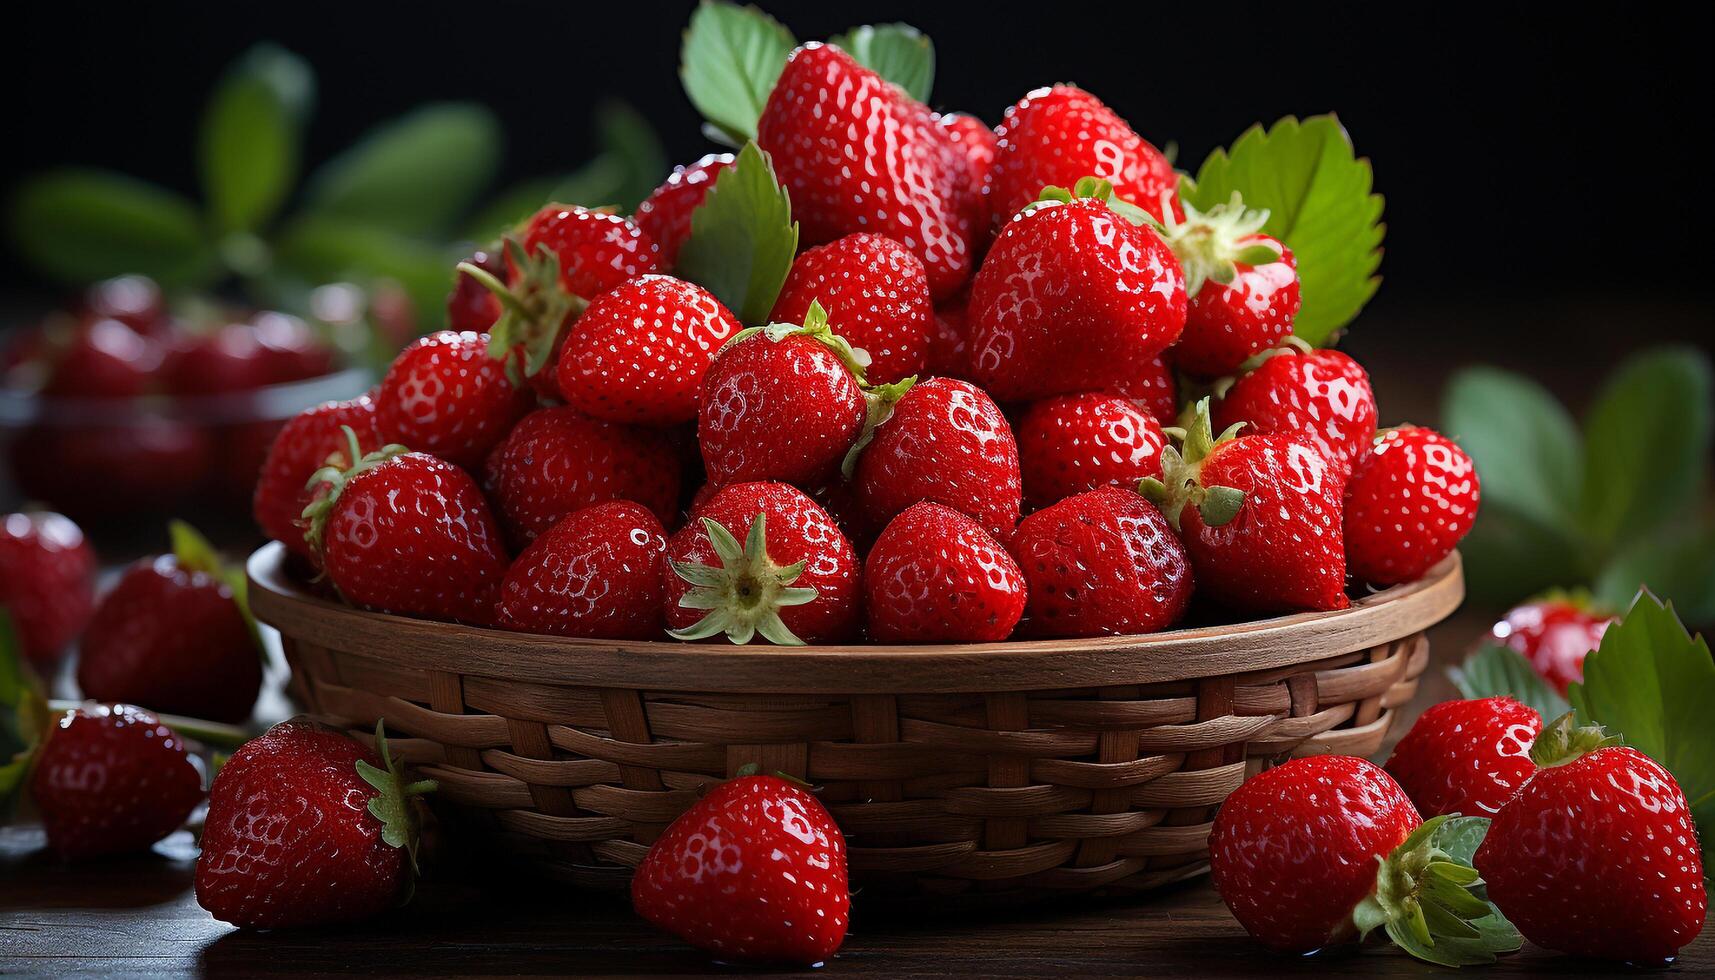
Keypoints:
(949, 354)
(596, 573)
(640, 350)
(1154, 391)
(781, 403)
(1596, 855)
(1264, 523)
(111, 779)
(1073, 443)
(471, 305)
(1243, 287)
(948, 442)
(1554, 633)
(827, 111)
(876, 294)
(314, 438)
(1410, 500)
(171, 636)
(1072, 297)
(47, 582)
(408, 533)
(935, 576)
(103, 359)
(290, 349)
(1319, 397)
(557, 461)
(112, 470)
(1055, 136)
(443, 395)
(795, 579)
(665, 215)
(308, 827)
(226, 360)
(1101, 562)
(1324, 849)
(755, 870)
(135, 301)
(976, 139)
(1466, 757)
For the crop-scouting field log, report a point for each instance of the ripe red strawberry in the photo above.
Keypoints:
(876, 294)
(795, 578)
(1554, 633)
(1243, 286)
(104, 471)
(755, 870)
(1466, 757)
(916, 185)
(1324, 849)
(935, 576)
(1597, 855)
(596, 573)
(443, 395)
(47, 582)
(307, 827)
(781, 403)
(665, 215)
(408, 533)
(1073, 443)
(112, 779)
(557, 461)
(1056, 136)
(314, 438)
(135, 301)
(949, 353)
(1321, 398)
(171, 637)
(1154, 391)
(1263, 524)
(290, 349)
(1101, 562)
(471, 305)
(976, 139)
(640, 350)
(103, 359)
(948, 442)
(1072, 297)
(227, 360)
(594, 250)
(1410, 500)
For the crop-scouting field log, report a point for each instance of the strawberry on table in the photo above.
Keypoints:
(47, 582)
(756, 870)
(935, 576)
(1410, 500)
(443, 395)
(665, 215)
(596, 574)
(1554, 633)
(1243, 286)
(1466, 757)
(1319, 397)
(314, 438)
(1073, 443)
(876, 294)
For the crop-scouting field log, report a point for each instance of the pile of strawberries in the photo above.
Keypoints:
(983, 401)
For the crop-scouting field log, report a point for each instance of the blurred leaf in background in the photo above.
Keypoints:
(251, 137)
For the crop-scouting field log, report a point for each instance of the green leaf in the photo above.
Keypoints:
(630, 143)
(1676, 562)
(80, 226)
(249, 143)
(729, 62)
(1654, 684)
(1647, 441)
(899, 53)
(1508, 557)
(322, 250)
(1318, 194)
(413, 175)
(742, 238)
(24, 717)
(1496, 671)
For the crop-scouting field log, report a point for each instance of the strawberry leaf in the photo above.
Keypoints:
(249, 142)
(742, 238)
(729, 62)
(899, 53)
(412, 175)
(81, 225)
(1318, 195)
(1496, 671)
(1675, 561)
(1654, 684)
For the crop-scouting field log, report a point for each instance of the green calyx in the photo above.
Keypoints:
(745, 594)
(396, 800)
(1097, 189)
(532, 313)
(25, 717)
(1210, 244)
(1563, 740)
(1426, 900)
(1182, 474)
(337, 474)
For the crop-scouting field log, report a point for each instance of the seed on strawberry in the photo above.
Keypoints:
(755, 870)
(47, 582)
(935, 576)
(1243, 287)
(795, 579)
(1554, 633)
(444, 396)
(641, 349)
(876, 295)
(1073, 443)
(1321, 398)
(1410, 500)
(595, 574)
(314, 438)
(665, 215)
(1466, 757)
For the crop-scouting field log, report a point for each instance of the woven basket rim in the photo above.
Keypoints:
(1019, 665)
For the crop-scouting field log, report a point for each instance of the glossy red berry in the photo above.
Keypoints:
(1411, 498)
(596, 573)
(1466, 757)
(665, 215)
(1073, 443)
(935, 576)
(876, 294)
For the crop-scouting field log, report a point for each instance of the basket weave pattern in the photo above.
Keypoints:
(940, 789)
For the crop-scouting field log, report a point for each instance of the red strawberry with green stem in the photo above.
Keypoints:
(1073, 443)
(1410, 500)
(595, 574)
(876, 294)
(935, 576)
(443, 395)
(1320, 397)
(314, 438)
(795, 579)
(472, 305)
(755, 870)
(1554, 633)
(1466, 757)
(665, 215)
(47, 582)
(1260, 516)
(307, 827)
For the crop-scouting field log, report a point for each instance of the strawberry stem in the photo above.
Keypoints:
(1563, 740)
(745, 594)
(337, 477)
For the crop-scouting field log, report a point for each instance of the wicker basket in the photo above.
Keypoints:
(993, 770)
